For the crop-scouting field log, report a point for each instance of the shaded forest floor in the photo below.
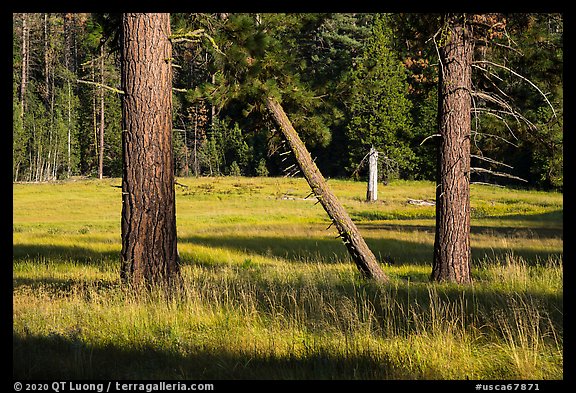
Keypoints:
(270, 293)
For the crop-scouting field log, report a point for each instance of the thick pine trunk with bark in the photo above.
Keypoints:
(149, 249)
(452, 241)
(354, 242)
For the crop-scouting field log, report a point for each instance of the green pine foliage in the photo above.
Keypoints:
(379, 107)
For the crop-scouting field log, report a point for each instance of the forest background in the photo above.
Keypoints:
(357, 80)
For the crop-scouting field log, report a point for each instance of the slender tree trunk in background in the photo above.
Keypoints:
(354, 242)
(195, 162)
(53, 136)
(149, 249)
(452, 253)
(25, 55)
(69, 142)
(49, 99)
(68, 92)
(46, 59)
(101, 153)
(30, 148)
(94, 110)
(24, 77)
(212, 106)
(186, 165)
(69, 63)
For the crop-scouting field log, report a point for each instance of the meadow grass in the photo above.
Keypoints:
(269, 293)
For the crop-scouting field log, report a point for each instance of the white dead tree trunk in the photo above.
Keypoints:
(372, 192)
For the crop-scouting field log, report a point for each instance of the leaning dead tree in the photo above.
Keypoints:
(354, 242)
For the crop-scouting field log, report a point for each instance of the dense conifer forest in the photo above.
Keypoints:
(348, 82)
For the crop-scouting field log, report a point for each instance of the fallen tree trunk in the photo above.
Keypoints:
(354, 242)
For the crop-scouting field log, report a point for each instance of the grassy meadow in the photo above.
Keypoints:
(270, 292)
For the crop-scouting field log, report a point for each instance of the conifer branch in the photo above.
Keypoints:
(101, 86)
(194, 37)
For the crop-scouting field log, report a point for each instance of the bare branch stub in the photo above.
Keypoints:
(488, 96)
(490, 160)
(521, 77)
(429, 137)
(500, 174)
(100, 85)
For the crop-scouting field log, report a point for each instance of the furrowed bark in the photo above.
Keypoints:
(149, 252)
(354, 242)
(452, 253)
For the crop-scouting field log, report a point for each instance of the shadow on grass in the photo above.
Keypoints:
(409, 289)
(555, 216)
(70, 254)
(393, 251)
(543, 231)
(505, 231)
(298, 249)
(63, 286)
(552, 216)
(408, 305)
(61, 357)
(292, 249)
(410, 308)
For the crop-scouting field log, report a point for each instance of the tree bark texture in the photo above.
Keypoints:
(149, 248)
(354, 242)
(452, 241)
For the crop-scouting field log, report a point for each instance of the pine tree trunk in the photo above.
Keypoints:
(452, 241)
(149, 249)
(354, 242)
